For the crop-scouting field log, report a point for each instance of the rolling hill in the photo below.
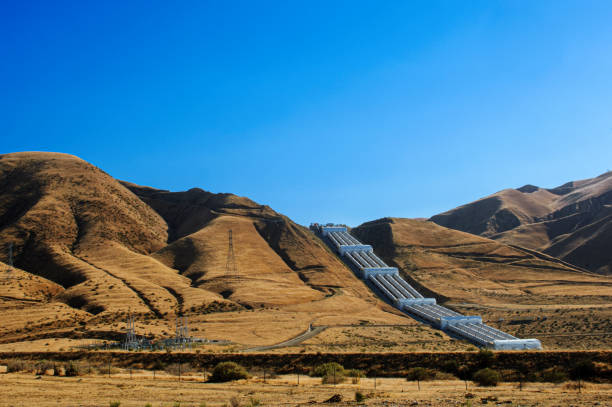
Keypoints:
(527, 293)
(572, 222)
(97, 249)
(89, 249)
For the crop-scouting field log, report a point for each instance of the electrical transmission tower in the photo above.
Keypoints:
(130, 340)
(230, 265)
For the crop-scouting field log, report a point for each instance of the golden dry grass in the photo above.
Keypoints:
(165, 390)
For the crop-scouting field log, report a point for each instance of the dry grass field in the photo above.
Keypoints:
(140, 389)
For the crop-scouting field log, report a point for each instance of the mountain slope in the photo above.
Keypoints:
(527, 293)
(278, 262)
(572, 222)
(90, 249)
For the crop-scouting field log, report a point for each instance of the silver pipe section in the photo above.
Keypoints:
(383, 289)
(381, 279)
(501, 333)
(495, 332)
(370, 256)
(424, 313)
(355, 260)
(461, 331)
(353, 239)
(399, 288)
(345, 238)
(339, 238)
(363, 259)
(447, 312)
(377, 260)
(475, 333)
(408, 287)
(333, 239)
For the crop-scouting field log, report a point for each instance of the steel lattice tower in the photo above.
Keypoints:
(230, 265)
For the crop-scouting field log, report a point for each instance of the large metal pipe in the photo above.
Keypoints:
(355, 260)
(378, 260)
(375, 259)
(408, 287)
(383, 281)
(363, 259)
(401, 289)
(383, 289)
(334, 240)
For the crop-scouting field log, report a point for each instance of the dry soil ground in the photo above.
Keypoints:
(97, 390)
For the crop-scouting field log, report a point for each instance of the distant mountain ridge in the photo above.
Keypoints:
(572, 222)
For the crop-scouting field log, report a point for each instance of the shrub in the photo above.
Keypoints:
(228, 371)
(329, 369)
(16, 366)
(583, 369)
(553, 375)
(114, 404)
(72, 369)
(450, 366)
(464, 373)
(333, 378)
(355, 375)
(359, 397)
(234, 401)
(486, 377)
(416, 374)
(485, 358)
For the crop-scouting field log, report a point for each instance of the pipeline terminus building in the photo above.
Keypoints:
(390, 285)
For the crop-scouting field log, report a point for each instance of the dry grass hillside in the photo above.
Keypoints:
(572, 222)
(526, 292)
(89, 249)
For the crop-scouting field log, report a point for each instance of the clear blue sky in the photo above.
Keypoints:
(341, 111)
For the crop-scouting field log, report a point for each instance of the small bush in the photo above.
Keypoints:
(419, 374)
(485, 358)
(450, 366)
(228, 371)
(234, 401)
(328, 369)
(359, 397)
(16, 366)
(355, 375)
(486, 377)
(583, 370)
(332, 378)
(71, 369)
(114, 404)
(553, 375)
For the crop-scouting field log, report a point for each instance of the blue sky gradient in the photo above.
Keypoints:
(341, 111)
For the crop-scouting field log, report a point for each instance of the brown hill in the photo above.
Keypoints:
(90, 249)
(572, 222)
(483, 276)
